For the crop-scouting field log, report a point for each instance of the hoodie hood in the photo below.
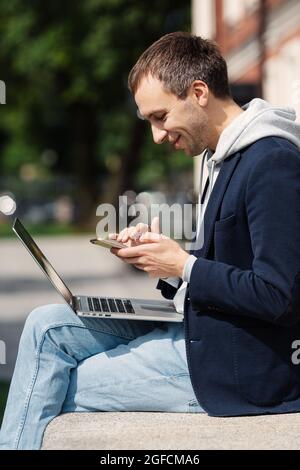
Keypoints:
(258, 120)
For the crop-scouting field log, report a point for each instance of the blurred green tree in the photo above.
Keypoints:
(65, 64)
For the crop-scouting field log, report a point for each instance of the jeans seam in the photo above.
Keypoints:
(37, 358)
(84, 327)
(29, 390)
(158, 376)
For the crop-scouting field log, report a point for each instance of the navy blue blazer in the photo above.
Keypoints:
(242, 308)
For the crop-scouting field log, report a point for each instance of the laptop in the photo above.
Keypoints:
(98, 307)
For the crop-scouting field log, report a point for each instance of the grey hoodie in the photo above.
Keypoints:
(258, 120)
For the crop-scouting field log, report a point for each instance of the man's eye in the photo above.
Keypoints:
(161, 118)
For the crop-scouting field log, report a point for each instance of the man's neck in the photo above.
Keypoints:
(223, 113)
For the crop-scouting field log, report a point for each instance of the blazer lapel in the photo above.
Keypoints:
(215, 201)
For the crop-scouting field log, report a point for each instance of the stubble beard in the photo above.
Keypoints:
(199, 132)
(198, 141)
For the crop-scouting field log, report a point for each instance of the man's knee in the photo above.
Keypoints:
(48, 316)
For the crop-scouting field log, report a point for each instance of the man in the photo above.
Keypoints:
(241, 297)
(239, 291)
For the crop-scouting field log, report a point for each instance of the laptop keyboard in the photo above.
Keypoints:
(97, 304)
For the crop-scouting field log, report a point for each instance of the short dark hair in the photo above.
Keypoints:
(177, 60)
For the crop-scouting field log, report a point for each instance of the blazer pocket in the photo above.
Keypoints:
(226, 223)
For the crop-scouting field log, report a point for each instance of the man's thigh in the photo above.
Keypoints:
(150, 373)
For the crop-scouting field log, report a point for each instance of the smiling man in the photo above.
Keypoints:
(239, 290)
(187, 123)
(180, 122)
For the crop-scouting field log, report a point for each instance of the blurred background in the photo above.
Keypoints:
(70, 138)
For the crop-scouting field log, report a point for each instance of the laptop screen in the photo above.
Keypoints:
(42, 261)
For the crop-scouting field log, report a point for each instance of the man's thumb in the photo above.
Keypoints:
(155, 225)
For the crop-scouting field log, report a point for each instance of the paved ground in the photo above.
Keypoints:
(86, 269)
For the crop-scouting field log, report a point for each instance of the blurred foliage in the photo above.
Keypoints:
(65, 65)
(37, 229)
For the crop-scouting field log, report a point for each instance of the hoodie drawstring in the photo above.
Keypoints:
(211, 177)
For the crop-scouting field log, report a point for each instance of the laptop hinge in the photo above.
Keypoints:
(75, 304)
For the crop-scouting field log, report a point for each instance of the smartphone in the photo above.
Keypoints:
(106, 243)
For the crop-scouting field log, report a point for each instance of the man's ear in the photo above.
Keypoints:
(200, 91)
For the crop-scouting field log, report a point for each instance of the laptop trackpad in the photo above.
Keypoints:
(158, 308)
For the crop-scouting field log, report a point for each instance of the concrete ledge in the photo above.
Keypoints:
(139, 430)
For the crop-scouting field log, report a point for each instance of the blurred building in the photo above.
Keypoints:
(260, 40)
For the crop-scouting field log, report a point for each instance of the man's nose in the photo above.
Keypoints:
(159, 135)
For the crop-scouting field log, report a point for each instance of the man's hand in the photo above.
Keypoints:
(131, 235)
(156, 254)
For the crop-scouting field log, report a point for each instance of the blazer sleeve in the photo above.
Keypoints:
(270, 291)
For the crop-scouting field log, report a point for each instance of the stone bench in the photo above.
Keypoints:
(163, 431)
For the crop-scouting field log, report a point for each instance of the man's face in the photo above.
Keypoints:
(183, 123)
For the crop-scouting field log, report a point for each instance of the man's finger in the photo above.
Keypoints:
(155, 225)
(132, 251)
(114, 251)
(142, 227)
(112, 236)
(120, 236)
(126, 235)
(142, 267)
(150, 237)
(136, 261)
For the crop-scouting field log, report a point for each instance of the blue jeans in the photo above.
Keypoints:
(66, 363)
